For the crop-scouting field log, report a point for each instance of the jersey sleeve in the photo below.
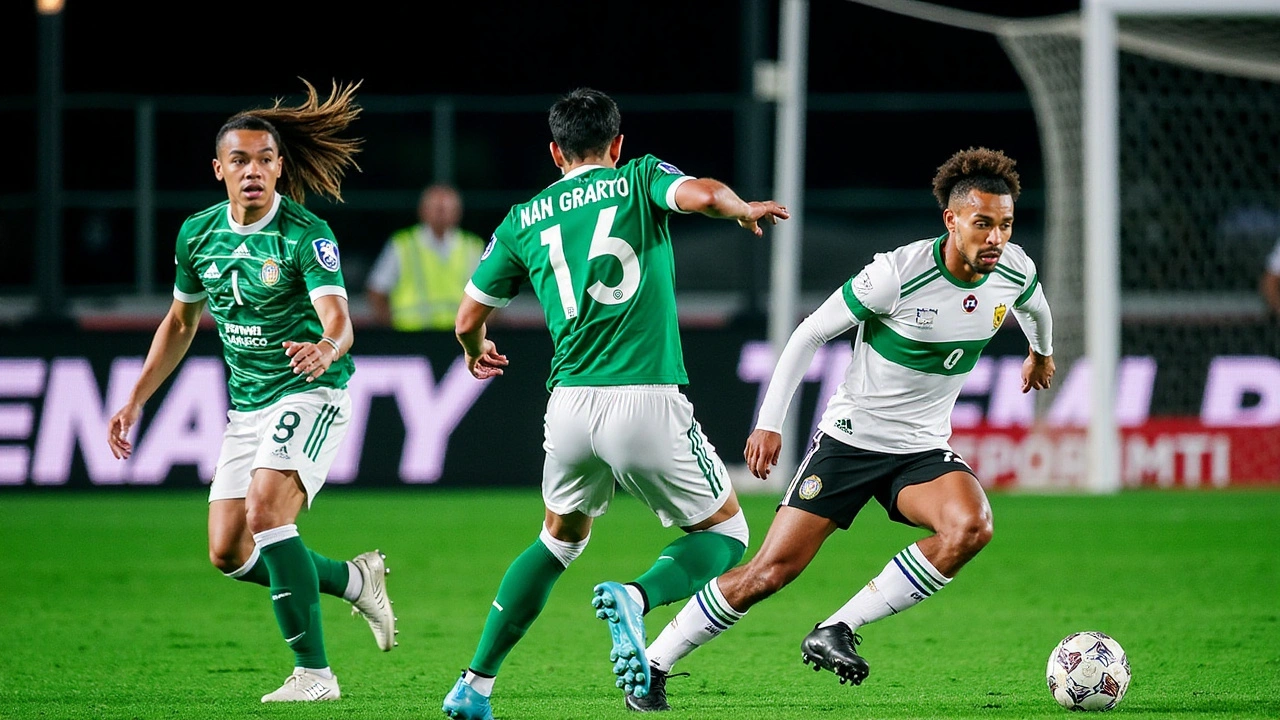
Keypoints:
(317, 255)
(186, 282)
(662, 179)
(498, 275)
(1029, 287)
(874, 291)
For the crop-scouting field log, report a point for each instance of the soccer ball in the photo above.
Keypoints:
(1088, 671)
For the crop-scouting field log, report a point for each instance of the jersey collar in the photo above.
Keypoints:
(578, 171)
(239, 229)
(942, 265)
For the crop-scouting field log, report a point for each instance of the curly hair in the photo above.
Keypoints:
(315, 157)
(981, 169)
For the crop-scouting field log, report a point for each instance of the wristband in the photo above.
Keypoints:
(331, 341)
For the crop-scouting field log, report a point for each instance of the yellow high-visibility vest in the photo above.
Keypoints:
(430, 284)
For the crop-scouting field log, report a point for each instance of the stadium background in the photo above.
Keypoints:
(461, 94)
(112, 609)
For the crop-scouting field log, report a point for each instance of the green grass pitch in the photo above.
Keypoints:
(111, 610)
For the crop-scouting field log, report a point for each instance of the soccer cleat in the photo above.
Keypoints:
(626, 627)
(464, 703)
(373, 604)
(305, 686)
(834, 648)
(656, 700)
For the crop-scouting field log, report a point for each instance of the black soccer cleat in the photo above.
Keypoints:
(656, 700)
(834, 648)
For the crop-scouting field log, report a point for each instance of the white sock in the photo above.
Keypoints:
(906, 580)
(479, 683)
(636, 595)
(323, 672)
(355, 583)
(704, 617)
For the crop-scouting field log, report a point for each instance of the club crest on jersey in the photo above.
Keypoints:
(326, 254)
(270, 274)
(970, 303)
(925, 317)
(862, 284)
(810, 487)
(997, 319)
(493, 240)
(669, 169)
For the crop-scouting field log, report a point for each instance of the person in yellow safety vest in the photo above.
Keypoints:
(418, 279)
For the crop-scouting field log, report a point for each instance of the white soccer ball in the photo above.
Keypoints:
(1088, 671)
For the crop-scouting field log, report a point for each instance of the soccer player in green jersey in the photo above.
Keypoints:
(269, 272)
(922, 314)
(596, 248)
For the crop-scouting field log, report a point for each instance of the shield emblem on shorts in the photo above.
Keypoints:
(810, 487)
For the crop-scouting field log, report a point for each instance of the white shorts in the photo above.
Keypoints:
(644, 438)
(299, 432)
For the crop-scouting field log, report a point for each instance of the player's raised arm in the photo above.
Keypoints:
(313, 357)
(715, 199)
(168, 347)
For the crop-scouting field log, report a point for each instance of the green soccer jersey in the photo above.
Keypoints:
(596, 249)
(260, 281)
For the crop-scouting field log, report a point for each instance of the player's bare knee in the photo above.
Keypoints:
(262, 517)
(968, 534)
(226, 560)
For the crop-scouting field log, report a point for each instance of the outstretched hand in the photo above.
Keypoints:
(488, 363)
(762, 211)
(761, 453)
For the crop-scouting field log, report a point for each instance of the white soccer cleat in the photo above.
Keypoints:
(305, 686)
(373, 604)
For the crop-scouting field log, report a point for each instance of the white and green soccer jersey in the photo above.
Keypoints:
(596, 249)
(920, 333)
(260, 281)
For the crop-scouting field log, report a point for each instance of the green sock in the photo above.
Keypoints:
(333, 574)
(295, 595)
(521, 597)
(687, 564)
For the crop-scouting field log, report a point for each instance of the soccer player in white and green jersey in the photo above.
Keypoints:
(922, 314)
(596, 249)
(269, 272)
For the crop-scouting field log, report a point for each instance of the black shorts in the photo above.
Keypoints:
(836, 480)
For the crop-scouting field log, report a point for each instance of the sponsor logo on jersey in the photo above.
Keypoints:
(212, 272)
(281, 452)
(241, 251)
(925, 317)
(326, 254)
(845, 425)
(810, 487)
(862, 284)
(970, 303)
(493, 240)
(998, 317)
(270, 272)
(669, 169)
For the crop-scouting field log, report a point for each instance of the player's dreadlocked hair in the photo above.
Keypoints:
(988, 171)
(307, 135)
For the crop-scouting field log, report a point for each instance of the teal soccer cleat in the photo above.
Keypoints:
(464, 703)
(626, 627)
